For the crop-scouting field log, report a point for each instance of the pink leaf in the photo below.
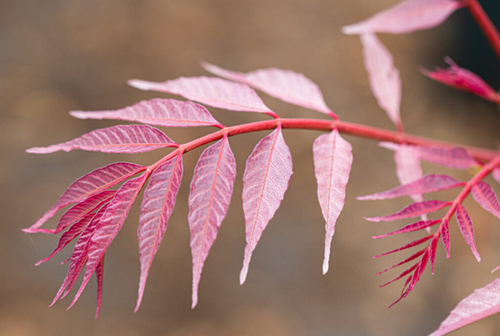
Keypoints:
(80, 210)
(332, 164)
(457, 158)
(69, 235)
(465, 225)
(79, 256)
(462, 79)
(407, 260)
(427, 184)
(289, 86)
(214, 92)
(445, 236)
(88, 185)
(496, 174)
(411, 228)
(480, 304)
(109, 225)
(406, 17)
(408, 168)
(209, 198)
(402, 274)
(267, 172)
(116, 139)
(432, 252)
(160, 112)
(99, 271)
(157, 206)
(384, 77)
(414, 210)
(485, 196)
(407, 246)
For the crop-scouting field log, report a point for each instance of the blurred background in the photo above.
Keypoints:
(57, 56)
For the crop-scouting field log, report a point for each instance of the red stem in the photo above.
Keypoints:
(485, 23)
(363, 131)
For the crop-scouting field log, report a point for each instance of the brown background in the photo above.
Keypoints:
(62, 55)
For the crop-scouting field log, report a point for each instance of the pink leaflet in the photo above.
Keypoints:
(157, 206)
(383, 75)
(465, 224)
(411, 228)
(445, 236)
(480, 304)
(407, 246)
(406, 17)
(332, 164)
(496, 174)
(289, 86)
(407, 260)
(267, 172)
(432, 252)
(109, 225)
(462, 79)
(90, 184)
(80, 210)
(214, 92)
(486, 198)
(428, 183)
(408, 168)
(209, 198)
(457, 158)
(69, 235)
(413, 210)
(159, 112)
(79, 256)
(116, 139)
(99, 271)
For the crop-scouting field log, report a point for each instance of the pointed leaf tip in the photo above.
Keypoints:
(480, 304)
(209, 198)
(465, 224)
(211, 91)
(289, 86)
(406, 17)
(267, 172)
(384, 78)
(156, 208)
(332, 165)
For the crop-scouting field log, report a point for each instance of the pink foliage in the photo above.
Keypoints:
(486, 198)
(209, 198)
(289, 86)
(214, 92)
(406, 17)
(156, 208)
(481, 303)
(411, 228)
(267, 172)
(383, 75)
(159, 112)
(428, 183)
(462, 79)
(88, 185)
(465, 224)
(414, 210)
(332, 164)
(116, 139)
